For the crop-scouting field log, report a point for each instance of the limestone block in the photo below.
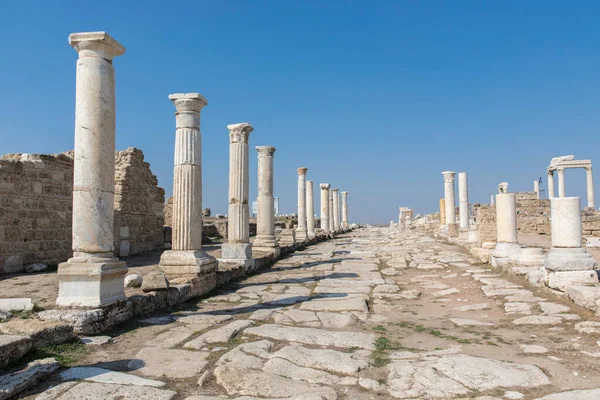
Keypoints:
(236, 251)
(561, 280)
(13, 264)
(16, 304)
(42, 333)
(133, 281)
(155, 281)
(13, 347)
(568, 259)
(584, 296)
(34, 372)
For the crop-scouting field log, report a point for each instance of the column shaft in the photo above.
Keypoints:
(449, 197)
(301, 230)
(561, 182)
(506, 218)
(590, 187)
(345, 209)
(336, 209)
(463, 198)
(265, 224)
(325, 207)
(550, 184)
(331, 212)
(310, 209)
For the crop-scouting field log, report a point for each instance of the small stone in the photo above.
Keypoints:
(513, 395)
(13, 264)
(37, 267)
(533, 349)
(553, 308)
(96, 340)
(133, 281)
(155, 281)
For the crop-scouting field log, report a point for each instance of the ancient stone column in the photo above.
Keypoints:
(449, 201)
(550, 184)
(567, 262)
(238, 246)
(506, 226)
(345, 209)
(276, 205)
(463, 200)
(301, 231)
(590, 187)
(442, 212)
(536, 188)
(336, 209)
(93, 277)
(186, 257)
(265, 221)
(561, 182)
(492, 200)
(325, 206)
(310, 210)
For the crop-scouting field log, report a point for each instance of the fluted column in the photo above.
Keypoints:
(550, 184)
(301, 231)
(345, 209)
(561, 182)
(238, 245)
(325, 207)
(186, 257)
(463, 200)
(336, 209)
(590, 187)
(265, 221)
(93, 277)
(310, 210)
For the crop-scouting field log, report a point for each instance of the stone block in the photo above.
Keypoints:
(561, 280)
(133, 281)
(17, 304)
(236, 251)
(42, 333)
(13, 263)
(584, 295)
(13, 347)
(155, 281)
(568, 259)
(34, 372)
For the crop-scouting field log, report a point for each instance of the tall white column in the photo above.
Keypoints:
(345, 209)
(463, 200)
(561, 182)
(336, 209)
(310, 210)
(265, 221)
(536, 188)
(590, 187)
(238, 246)
(186, 257)
(449, 197)
(93, 277)
(325, 206)
(331, 212)
(550, 184)
(506, 225)
(301, 231)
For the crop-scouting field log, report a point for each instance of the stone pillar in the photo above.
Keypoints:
(449, 201)
(345, 209)
(561, 182)
(265, 221)
(331, 212)
(567, 262)
(506, 226)
(325, 207)
(442, 212)
(536, 188)
(301, 231)
(550, 184)
(492, 200)
(186, 257)
(93, 277)
(238, 245)
(590, 187)
(463, 200)
(310, 210)
(276, 205)
(336, 209)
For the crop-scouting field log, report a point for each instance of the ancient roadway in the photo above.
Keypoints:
(373, 314)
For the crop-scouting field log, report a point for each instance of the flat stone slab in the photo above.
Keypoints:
(553, 308)
(34, 372)
(169, 363)
(314, 336)
(591, 394)
(474, 307)
(429, 266)
(323, 359)
(517, 308)
(96, 340)
(533, 349)
(101, 375)
(107, 391)
(219, 335)
(13, 347)
(16, 304)
(588, 327)
(447, 292)
(290, 370)
(469, 322)
(538, 320)
(337, 304)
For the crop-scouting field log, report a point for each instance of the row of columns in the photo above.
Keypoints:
(561, 184)
(330, 209)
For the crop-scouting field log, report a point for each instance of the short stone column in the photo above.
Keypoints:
(186, 259)
(336, 209)
(506, 229)
(442, 212)
(536, 188)
(550, 184)
(567, 262)
(238, 247)
(463, 200)
(301, 230)
(331, 212)
(561, 182)
(265, 220)
(590, 187)
(93, 277)
(325, 206)
(345, 209)
(450, 202)
(310, 210)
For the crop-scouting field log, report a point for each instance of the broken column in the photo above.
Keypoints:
(567, 262)
(265, 221)
(345, 209)
(238, 248)
(442, 213)
(507, 245)
(93, 277)
(336, 209)
(186, 259)
(301, 231)
(449, 202)
(325, 206)
(310, 210)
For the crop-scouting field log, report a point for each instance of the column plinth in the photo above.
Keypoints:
(325, 207)
(265, 224)
(310, 210)
(301, 230)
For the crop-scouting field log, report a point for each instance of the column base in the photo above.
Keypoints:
(452, 229)
(561, 280)
(186, 263)
(568, 259)
(236, 251)
(301, 234)
(90, 282)
(265, 241)
(504, 253)
(311, 235)
(531, 257)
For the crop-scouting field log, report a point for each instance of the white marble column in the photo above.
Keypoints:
(561, 182)
(550, 184)
(506, 226)
(265, 221)
(276, 205)
(492, 200)
(238, 246)
(590, 187)
(345, 209)
(186, 257)
(301, 231)
(310, 210)
(93, 277)
(536, 188)
(463, 200)
(336, 209)
(449, 201)
(331, 212)
(325, 206)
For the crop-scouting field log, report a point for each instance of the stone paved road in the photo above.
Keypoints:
(374, 314)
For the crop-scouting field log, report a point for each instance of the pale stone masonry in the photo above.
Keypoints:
(187, 259)
(325, 212)
(344, 209)
(265, 237)
(238, 246)
(93, 276)
(301, 230)
(310, 210)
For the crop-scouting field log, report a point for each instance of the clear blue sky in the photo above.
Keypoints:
(376, 98)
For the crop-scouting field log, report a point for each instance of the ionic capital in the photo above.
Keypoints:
(239, 133)
(335, 190)
(302, 170)
(96, 44)
(449, 176)
(188, 102)
(265, 151)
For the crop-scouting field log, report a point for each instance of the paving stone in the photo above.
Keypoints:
(588, 327)
(386, 289)
(106, 391)
(290, 370)
(447, 292)
(301, 315)
(314, 336)
(169, 363)
(219, 335)
(533, 349)
(202, 318)
(553, 308)
(429, 266)
(517, 308)
(172, 337)
(337, 304)
(513, 395)
(474, 307)
(335, 320)
(538, 320)
(591, 394)
(323, 359)
(469, 322)
(101, 375)
(16, 382)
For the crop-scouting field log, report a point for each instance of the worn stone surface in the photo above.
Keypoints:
(109, 391)
(101, 375)
(173, 364)
(35, 371)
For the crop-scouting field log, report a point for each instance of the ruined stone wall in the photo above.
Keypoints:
(533, 214)
(590, 221)
(139, 203)
(485, 217)
(35, 207)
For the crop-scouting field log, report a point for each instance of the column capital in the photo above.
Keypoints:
(550, 173)
(325, 186)
(238, 133)
(560, 169)
(302, 170)
(96, 44)
(588, 168)
(188, 102)
(335, 190)
(344, 194)
(449, 176)
(265, 151)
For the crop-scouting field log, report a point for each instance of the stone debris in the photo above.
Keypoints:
(35, 371)
(154, 281)
(37, 267)
(133, 281)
